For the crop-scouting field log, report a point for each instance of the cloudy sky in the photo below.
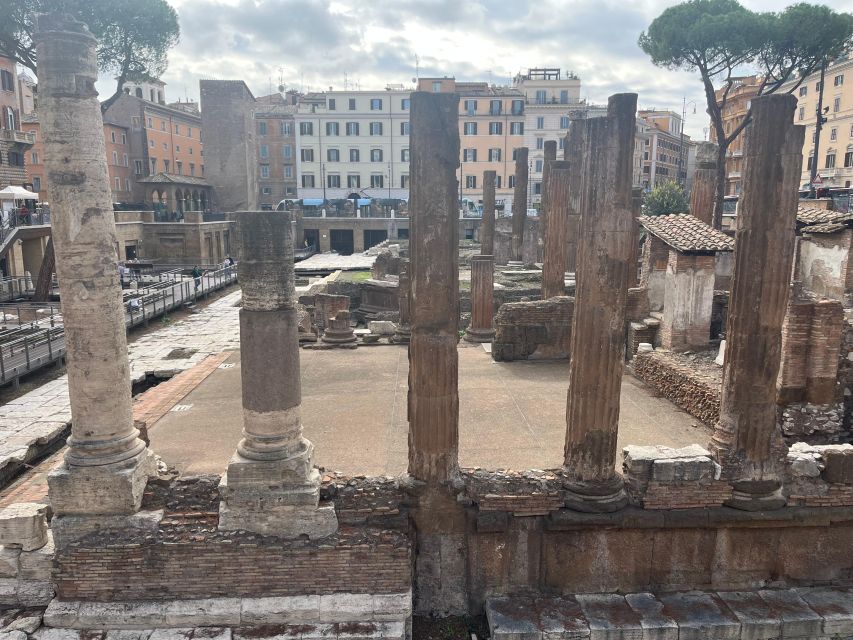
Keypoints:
(315, 44)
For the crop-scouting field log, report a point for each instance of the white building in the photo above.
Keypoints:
(353, 142)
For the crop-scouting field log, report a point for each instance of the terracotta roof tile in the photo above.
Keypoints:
(814, 215)
(687, 233)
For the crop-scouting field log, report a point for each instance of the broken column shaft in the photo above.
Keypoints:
(482, 299)
(106, 466)
(598, 330)
(519, 205)
(746, 438)
(704, 182)
(403, 329)
(433, 361)
(556, 238)
(487, 228)
(271, 486)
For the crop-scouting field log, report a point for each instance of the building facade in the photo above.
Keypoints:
(14, 141)
(667, 151)
(275, 128)
(738, 101)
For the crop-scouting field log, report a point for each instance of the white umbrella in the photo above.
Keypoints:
(17, 193)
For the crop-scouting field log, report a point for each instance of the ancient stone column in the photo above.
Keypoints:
(433, 361)
(746, 440)
(271, 485)
(482, 299)
(574, 149)
(106, 466)
(556, 239)
(403, 332)
(636, 210)
(598, 330)
(550, 153)
(519, 205)
(704, 182)
(487, 229)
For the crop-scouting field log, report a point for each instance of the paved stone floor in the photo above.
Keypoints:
(512, 415)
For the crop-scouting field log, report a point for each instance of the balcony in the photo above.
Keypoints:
(24, 137)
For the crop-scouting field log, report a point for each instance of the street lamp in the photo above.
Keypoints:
(684, 103)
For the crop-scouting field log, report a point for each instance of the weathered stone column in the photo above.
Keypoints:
(550, 153)
(519, 204)
(271, 486)
(704, 182)
(598, 330)
(482, 299)
(574, 149)
(106, 466)
(403, 332)
(434, 246)
(487, 229)
(556, 238)
(746, 437)
(637, 210)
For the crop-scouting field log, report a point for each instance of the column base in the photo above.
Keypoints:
(283, 522)
(515, 264)
(110, 489)
(479, 335)
(338, 337)
(596, 497)
(403, 335)
(756, 495)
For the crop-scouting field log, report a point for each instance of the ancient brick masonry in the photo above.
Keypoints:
(541, 327)
(747, 436)
(696, 393)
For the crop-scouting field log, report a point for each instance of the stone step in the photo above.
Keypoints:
(803, 613)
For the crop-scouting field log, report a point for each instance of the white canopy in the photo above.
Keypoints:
(17, 193)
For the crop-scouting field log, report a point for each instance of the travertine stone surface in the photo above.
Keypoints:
(550, 155)
(598, 331)
(519, 203)
(746, 438)
(403, 333)
(482, 299)
(557, 233)
(574, 150)
(704, 182)
(23, 525)
(433, 361)
(487, 228)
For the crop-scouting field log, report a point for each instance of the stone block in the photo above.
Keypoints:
(285, 522)
(24, 525)
(834, 605)
(757, 619)
(281, 632)
(346, 607)
(655, 623)
(798, 620)
(70, 528)
(382, 327)
(637, 461)
(13, 634)
(108, 489)
(203, 612)
(37, 564)
(9, 561)
(35, 593)
(27, 624)
(8, 591)
(684, 469)
(244, 473)
(129, 634)
(281, 610)
(61, 614)
(508, 620)
(700, 616)
(838, 465)
(392, 606)
(46, 633)
(610, 617)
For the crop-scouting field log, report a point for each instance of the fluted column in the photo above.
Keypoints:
(574, 153)
(550, 155)
(482, 299)
(636, 211)
(106, 465)
(598, 331)
(704, 182)
(433, 361)
(747, 440)
(403, 329)
(487, 229)
(271, 485)
(519, 204)
(556, 238)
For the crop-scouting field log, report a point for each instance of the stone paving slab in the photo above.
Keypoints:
(804, 613)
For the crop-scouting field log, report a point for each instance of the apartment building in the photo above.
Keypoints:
(667, 151)
(14, 141)
(275, 128)
(738, 101)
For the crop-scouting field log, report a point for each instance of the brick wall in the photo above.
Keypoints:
(696, 393)
(542, 327)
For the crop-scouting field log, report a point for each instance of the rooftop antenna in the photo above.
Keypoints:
(417, 67)
(281, 86)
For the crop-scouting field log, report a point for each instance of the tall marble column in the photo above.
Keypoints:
(747, 441)
(550, 155)
(556, 239)
(598, 331)
(434, 247)
(482, 299)
(271, 486)
(519, 205)
(106, 466)
(704, 182)
(487, 229)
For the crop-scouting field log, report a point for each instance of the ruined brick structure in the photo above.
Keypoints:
(542, 328)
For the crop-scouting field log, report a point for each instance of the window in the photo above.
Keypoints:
(830, 160)
(127, 184)
(307, 179)
(803, 90)
(564, 96)
(165, 166)
(288, 171)
(16, 159)
(511, 182)
(352, 128)
(817, 86)
(124, 138)
(113, 136)
(266, 191)
(153, 162)
(405, 104)
(836, 105)
(848, 159)
(376, 104)
(333, 155)
(469, 128)
(7, 80)
(470, 182)
(333, 180)
(262, 128)
(538, 166)
(516, 128)
(287, 151)
(134, 123)
(307, 155)
(265, 151)
(496, 128)
(189, 132)
(404, 181)
(333, 128)
(165, 146)
(178, 129)
(180, 167)
(162, 125)
(494, 155)
(331, 103)
(115, 158)
(495, 107)
(37, 184)
(190, 151)
(436, 87)
(404, 155)
(137, 167)
(376, 155)
(540, 143)
(192, 168)
(564, 122)
(35, 158)
(117, 183)
(352, 104)
(561, 143)
(306, 128)
(285, 128)
(833, 134)
(537, 188)
(150, 123)
(376, 128)
(354, 181)
(517, 107)
(404, 128)
(469, 155)
(839, 80)
(125, 160)
(541, 96)
(354, 155)
(802, 113)
(470, 107)
(809, 163)
(377, 180)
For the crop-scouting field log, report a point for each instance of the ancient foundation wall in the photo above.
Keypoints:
(696, 393)
(542, 328)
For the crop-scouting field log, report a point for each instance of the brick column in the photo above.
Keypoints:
(482, 299)
(704, 182)
(433, 361)
(550, 153)
(519, 204)
(106, 466)
(271, 485)
(598, 331)
(556, 239)
(487, 229)
(746, 436)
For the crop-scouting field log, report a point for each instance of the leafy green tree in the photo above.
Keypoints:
(664, 199)
(720, 39)
(134, 36)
